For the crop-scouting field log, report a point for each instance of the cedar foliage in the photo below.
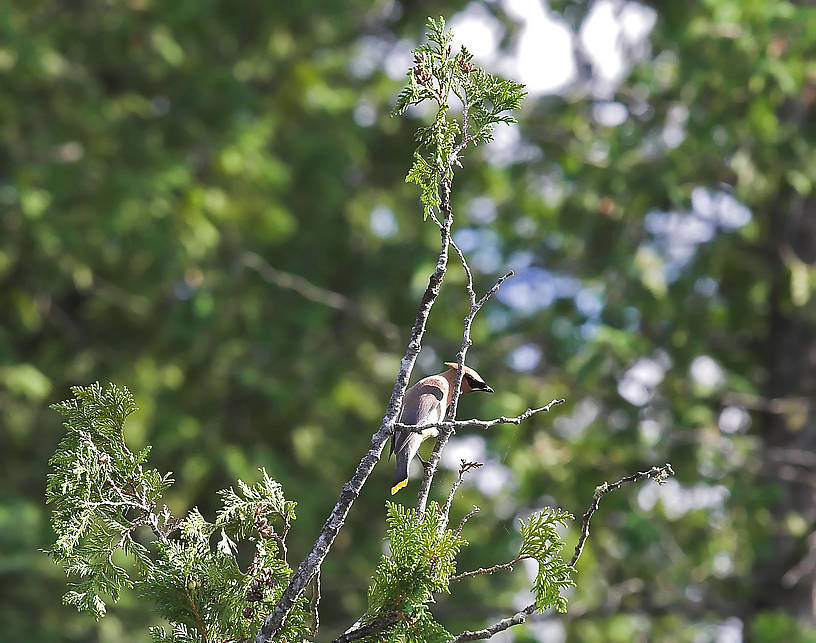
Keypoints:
(103, 493)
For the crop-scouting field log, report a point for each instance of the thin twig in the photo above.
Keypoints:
(466, 137)
(464, 467)
(659, 474)
(379, 623)
(517, 619)
(468, 274)
(484, 424)
(351, 489)
(317, 294)
(487, 570)
(445, 432)
(281, 543)
(199, 621)
(464, 520)
(138, 499)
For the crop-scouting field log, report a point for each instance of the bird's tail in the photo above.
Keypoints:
(401, 472)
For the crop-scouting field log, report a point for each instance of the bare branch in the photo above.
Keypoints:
(781, 405)
(484, 424)
(517, 619)
(464, 467)
(468, 274)
(464, 520)
(492, 292)
(314, 603)
(487, 570)
(351, 490)
(379, 623)
(445, 432)
(659, 474)
(317, 294)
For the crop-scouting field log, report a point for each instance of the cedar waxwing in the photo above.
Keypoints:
(426, 402)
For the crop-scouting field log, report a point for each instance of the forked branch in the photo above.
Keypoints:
(658, 473)
(446, 431)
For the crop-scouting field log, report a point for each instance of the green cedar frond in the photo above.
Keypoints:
(241, 509)
(178, 633)
(102, 492)
(425, 629)
(436, 74)
(423, 175)
(540, 541)
(196, 585)
(422, 559)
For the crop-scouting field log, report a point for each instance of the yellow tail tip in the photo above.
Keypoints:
(398, 486)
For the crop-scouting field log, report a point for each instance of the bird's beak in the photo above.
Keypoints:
(487, 389)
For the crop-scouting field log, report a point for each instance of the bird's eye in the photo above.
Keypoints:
(472, 383)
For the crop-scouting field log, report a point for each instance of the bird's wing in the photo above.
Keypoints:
(422, 403)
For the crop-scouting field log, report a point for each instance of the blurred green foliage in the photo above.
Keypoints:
(665, 286)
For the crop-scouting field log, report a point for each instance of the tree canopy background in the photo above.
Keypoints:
(162, 163)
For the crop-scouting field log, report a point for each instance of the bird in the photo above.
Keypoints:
(426, 402)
